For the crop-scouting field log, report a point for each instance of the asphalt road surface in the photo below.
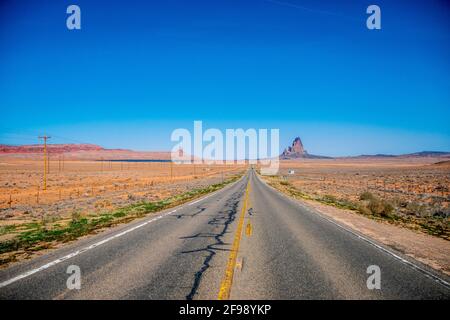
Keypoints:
(246, 241)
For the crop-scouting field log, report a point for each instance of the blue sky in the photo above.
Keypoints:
(139, 69)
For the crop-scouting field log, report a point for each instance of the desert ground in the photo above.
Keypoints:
(94, 185)
(406, 189)
(423, 180)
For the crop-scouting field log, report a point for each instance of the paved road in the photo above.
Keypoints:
(246, 241)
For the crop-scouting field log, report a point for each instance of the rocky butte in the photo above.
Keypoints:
(297, 151)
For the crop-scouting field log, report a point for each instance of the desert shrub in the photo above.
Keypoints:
(102, 204)
(329, 198)
(366, 195)
(440, 214)
(380, 207)
(285, 183)
(76, 215)
(362, 208)
(397, 202)
(417, 209)
(375, 206)
(45, 219)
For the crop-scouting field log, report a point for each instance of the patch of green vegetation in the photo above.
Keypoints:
(32, 225)
(436, 227)
(7, 229)
(40, 235)
(339, 203)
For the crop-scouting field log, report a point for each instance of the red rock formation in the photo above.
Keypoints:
(297, 146)
(79, 152)
(52, 148)
(296, 150)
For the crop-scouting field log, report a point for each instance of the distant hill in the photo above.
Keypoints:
(51, 148)
(422, 154)
(378, 155)
(79, 152)
(427, 154)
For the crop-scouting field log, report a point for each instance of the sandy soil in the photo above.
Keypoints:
(93, 185)
(416, 185)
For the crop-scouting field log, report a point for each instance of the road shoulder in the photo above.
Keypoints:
(431, 251)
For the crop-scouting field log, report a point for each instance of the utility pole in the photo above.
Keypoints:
(45, 159)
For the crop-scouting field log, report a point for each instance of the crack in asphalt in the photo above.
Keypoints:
(224, 218)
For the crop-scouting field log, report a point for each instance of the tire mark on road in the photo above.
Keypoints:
(200, 210)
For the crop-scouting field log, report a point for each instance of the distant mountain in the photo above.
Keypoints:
(428, 154)
(297, 151)
(422, 154)
(378, 155)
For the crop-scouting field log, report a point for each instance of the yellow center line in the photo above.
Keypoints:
(227, 281)
(248, 229)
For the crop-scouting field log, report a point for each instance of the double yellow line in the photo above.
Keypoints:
(225, 287)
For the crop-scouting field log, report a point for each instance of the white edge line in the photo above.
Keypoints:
(96, 244)
(409, 263)
(77, 252)
(396, 256)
